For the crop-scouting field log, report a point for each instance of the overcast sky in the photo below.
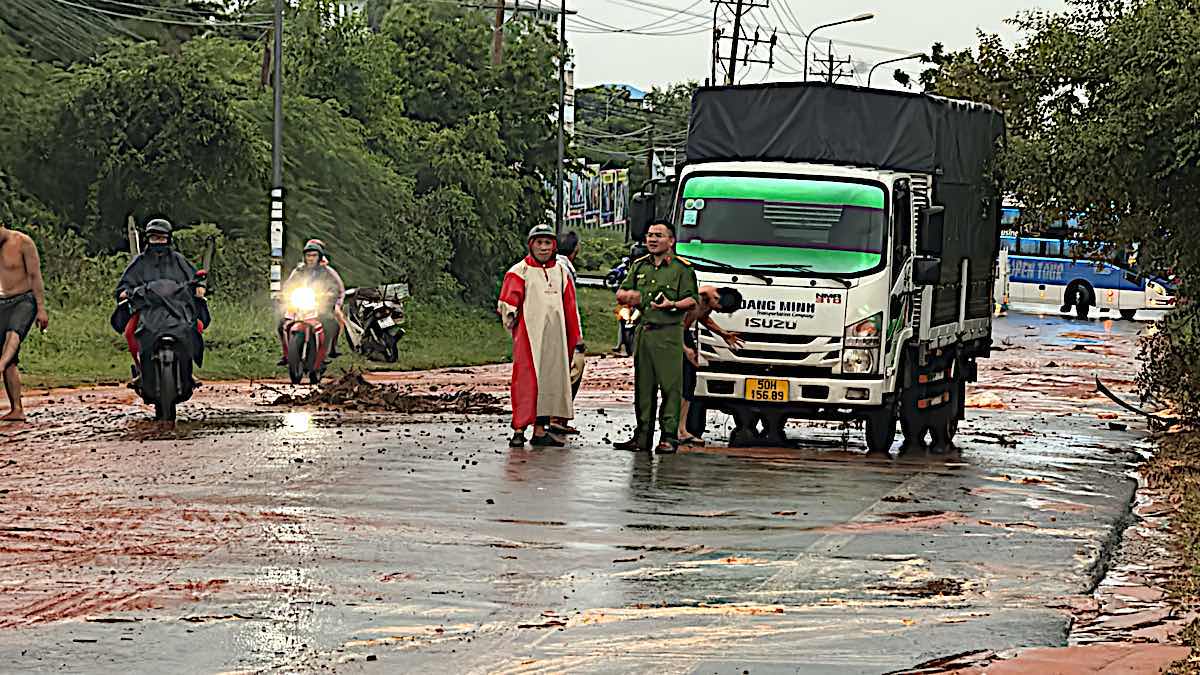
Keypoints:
(898, 28)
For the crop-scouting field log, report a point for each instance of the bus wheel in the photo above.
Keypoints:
(1128, 314)
(1079, 294)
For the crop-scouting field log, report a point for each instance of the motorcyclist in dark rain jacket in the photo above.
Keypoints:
(158, 261)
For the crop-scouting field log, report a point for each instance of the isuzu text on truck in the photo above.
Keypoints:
(862, 228)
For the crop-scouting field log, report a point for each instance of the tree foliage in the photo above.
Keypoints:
(1101, 103)
(616, 132)
(405, 149)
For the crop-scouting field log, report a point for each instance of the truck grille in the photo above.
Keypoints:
(778, 338)
(782, 356)
(732, 368)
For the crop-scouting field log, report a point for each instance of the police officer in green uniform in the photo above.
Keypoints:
(663, 286)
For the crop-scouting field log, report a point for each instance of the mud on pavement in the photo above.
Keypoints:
(258, 538)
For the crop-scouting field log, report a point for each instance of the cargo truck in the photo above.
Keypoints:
(861, 227)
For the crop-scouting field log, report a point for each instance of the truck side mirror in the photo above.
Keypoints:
(930, 228)
(927, 271)
(641, 214)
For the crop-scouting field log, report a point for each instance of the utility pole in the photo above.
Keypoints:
(738, 9)
(562, 120)
(277, 159)
(498, 35)
(833, 67)
(733, 52)
(649, 146)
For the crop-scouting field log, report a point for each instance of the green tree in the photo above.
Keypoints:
(1102, 103)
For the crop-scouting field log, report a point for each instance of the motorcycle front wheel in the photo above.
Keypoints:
(296, 357)
(391, 352)
(168, 392)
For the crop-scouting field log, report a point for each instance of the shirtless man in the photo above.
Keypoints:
(712, 299)
(22, 301)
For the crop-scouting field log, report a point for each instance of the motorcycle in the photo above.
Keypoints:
(374, 318)
(170, 323)
(627, 320)
(617, 274)
(307, 346)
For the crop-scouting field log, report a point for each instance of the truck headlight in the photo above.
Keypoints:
(864, 334)
(860, 345)
(858, 361)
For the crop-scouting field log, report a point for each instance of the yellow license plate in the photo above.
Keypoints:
(770, 391)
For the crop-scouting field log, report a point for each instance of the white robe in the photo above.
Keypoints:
(537, 304)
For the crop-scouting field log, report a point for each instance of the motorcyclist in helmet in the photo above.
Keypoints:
(315, 272)
(158, 261)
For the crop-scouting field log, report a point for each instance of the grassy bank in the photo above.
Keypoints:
(600, 250)
(80, 348)
(1175, 468)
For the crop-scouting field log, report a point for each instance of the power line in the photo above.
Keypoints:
(173, 22)
(597, 27)
(801, 33)
(177, 11)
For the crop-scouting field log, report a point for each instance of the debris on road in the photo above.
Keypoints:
(999, 439)
(353, 391)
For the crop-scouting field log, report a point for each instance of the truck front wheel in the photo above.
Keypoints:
(881, 430)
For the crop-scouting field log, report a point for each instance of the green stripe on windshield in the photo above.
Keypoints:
(746, 256)
(796, 190)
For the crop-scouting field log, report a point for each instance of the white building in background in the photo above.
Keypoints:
(347, 7)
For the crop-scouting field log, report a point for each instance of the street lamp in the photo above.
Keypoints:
(861, 17)
(918, 55)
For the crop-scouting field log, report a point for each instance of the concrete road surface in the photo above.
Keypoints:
(253, 538)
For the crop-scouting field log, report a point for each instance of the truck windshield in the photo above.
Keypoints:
(784, 224)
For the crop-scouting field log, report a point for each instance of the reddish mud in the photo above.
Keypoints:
(334, 532)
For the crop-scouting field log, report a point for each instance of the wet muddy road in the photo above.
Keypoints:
(252, 538)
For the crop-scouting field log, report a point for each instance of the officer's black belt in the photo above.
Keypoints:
(656, 326)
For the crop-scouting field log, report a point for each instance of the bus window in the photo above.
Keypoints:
(1051, 249)
(1028, 247)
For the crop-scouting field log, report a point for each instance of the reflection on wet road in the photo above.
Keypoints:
(256, 539)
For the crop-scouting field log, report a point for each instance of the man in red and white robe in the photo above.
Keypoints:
(537, 305)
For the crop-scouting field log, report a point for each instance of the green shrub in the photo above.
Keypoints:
(600, 250)
(1171, 363)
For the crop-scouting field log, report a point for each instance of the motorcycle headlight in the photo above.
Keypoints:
(303, 299)
(858, 361)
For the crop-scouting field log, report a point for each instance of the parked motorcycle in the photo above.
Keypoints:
(374, 321)
(306, 341)
(617, 274)
(627, 320)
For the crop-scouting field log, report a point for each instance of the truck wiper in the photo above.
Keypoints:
(805, 268)
(726, 266)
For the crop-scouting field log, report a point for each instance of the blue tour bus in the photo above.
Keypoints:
(1050, 271)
